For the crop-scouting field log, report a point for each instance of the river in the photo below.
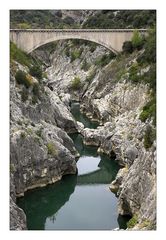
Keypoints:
(82, 202)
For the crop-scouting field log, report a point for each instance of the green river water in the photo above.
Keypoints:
(82, 202)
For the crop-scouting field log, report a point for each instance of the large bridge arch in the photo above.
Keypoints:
(69, 38)
(30, 39)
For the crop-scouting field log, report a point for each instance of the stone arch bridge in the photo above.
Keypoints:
(113, 39)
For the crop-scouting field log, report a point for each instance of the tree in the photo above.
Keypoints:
(36, 71)
(127, 47)
(137, 40)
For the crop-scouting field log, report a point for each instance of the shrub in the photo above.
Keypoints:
(34, 99)
(133, 73)
(35, 89)
(39, 132)
(24, 25)
(19, 55)
(23, 135)
(91, 75)
(93, 47)
(36, 71)
(22, 78)
(67, 52)
(12, 168)
(127, 47)
(149, 111)
(149, 55)
(137, 40)
(76, 83)
(149, 137)
(24, 95)
(85, 65)
(132, 222)
(76, 54)
(45, 75)
(51, 149)
(104, 60)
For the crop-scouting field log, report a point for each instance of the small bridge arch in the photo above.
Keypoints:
(113, 39)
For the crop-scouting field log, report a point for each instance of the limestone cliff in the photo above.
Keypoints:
(41, 152)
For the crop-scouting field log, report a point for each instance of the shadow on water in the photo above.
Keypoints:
(41, 203)
(75, 110)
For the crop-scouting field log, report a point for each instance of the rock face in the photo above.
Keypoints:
(137, 191)
(41, 151)
(17, 217)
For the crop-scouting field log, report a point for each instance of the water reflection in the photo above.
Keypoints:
(43, 203)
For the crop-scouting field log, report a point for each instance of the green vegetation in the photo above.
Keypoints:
(121, 19)
(39, 132)
(132, 222)
(99, 19)
(23, 78)
(36, 89)
(36, 71)
(104, 60)
(149, 55)
(76, 54)
(134, 75)
(23, 135)
(91, 75)
(127, 47)
(12, 168)
(51, 149)
(85, 66)
(24, 25)
(136, 43)
(149, 137)
(137, 40)
(19, 55)
(146, 223)
(76, 83)
(24, 94)
(149, 111)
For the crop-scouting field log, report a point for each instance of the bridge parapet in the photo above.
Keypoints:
(79, 30)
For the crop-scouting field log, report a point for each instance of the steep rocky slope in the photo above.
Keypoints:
(116, 102)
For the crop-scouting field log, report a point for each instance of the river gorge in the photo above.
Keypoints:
(82, 202)
(83, 151)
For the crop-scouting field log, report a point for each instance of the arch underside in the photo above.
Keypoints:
(72, 37)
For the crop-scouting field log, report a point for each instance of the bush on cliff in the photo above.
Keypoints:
(36, 71)
(149, 137)
(19, 56)
(127, 47)
(22, 78)
(137, 40)
(132, 222)
(76, 83)
(51, 149)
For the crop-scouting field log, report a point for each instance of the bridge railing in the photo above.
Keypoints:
(78, 30)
